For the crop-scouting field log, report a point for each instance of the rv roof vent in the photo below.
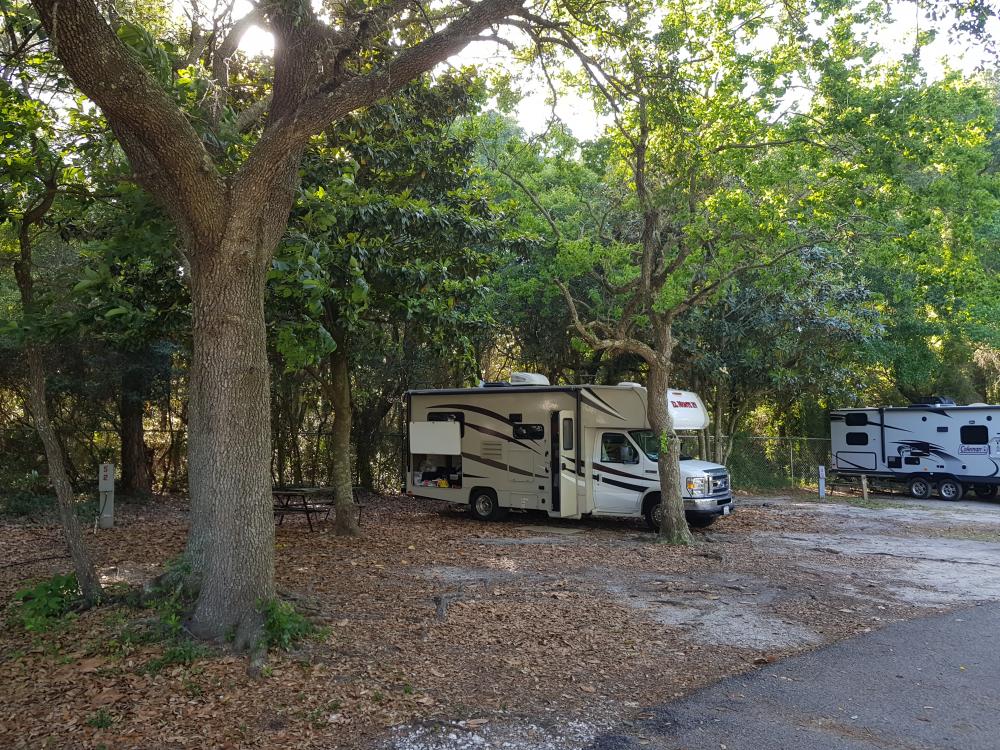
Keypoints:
(629, 384)
(935, 401)
(528, 378)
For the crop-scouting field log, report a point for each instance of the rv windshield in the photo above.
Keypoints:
(647, 442)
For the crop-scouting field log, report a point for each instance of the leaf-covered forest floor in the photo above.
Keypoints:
(552, 633)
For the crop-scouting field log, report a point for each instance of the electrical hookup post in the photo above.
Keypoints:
(822, 482)
(106, 488)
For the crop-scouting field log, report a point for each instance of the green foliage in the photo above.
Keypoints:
(181, 652)
(46, 604)
(283, 626)
(102, 719)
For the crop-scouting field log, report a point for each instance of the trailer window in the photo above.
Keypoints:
(857, 438)
(529, 431)
(567, 436)
(856, 419)
(448, 416)
(975, 434)
(616, 449)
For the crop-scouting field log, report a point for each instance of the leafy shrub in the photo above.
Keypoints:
(42, 606)
(283, 626)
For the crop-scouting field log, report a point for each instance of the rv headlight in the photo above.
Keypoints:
(696, 485)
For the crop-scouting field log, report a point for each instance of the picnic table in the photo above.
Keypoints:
(309, 501)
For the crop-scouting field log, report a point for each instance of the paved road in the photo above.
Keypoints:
(932, 683)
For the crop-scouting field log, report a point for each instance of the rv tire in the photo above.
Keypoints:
(950, 489)
(920, 488)
(649, 506)
(484, 505)
(986, 491)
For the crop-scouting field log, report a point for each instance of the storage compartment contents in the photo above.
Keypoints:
(436, 470)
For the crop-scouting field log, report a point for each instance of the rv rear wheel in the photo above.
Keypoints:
(949, 489)
(986, 491)
(920, 488)
(485, 506)
(653, 512)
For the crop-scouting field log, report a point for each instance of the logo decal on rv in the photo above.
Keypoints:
(978, 450)
(684, 404)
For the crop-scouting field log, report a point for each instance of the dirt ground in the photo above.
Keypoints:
(553, 631)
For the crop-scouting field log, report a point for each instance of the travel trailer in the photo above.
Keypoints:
(569, 451)
(934, 445)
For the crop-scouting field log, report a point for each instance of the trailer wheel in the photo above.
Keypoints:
(986, 491)
(949, 489)
(920, 488)
(485, 506)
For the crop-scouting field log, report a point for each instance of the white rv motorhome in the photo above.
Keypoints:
(567, 450)
(926, 446)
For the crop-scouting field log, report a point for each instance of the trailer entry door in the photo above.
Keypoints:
(564, 462)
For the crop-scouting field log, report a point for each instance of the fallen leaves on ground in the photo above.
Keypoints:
(533, 624)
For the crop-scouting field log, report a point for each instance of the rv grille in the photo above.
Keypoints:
(492, 449)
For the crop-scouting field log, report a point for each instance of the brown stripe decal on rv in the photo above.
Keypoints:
(498, 465)
(619, 472)
(508, 438)
(477, 409)
(600, 404)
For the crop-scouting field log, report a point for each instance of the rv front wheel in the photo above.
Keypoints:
(949, 489)
(986, 491)
(485, 506)
(920, 488)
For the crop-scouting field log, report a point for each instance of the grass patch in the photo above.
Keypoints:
(101, 720)
(182, 652)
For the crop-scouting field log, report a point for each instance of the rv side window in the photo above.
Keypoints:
(529, 431)
(856, 419)
(975, 434)
(616, 449)
(567, 430)
(448, 416)
(857, 438)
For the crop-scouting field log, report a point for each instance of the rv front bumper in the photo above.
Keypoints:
(716, 505)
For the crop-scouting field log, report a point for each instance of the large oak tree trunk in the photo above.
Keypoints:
(137, 473)
(346, 523)
(673, 526)
(231, 542)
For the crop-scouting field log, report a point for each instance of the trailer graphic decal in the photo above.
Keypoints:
(624, 485)
(922, 448)
(976, 450)
(504, 467)
(601, 404)
(477, 409)
(619, 472)
(508, 438)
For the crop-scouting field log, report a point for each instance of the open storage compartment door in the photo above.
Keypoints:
(564, 498)
(436, 454)
(443, 438)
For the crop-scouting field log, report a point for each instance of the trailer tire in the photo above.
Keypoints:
(986, 491)
(920, 488)
(950, 489)
(484, 505)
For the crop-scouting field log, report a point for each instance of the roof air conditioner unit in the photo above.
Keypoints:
(528, 378)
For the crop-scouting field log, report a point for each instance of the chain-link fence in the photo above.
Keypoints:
(765, 463)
